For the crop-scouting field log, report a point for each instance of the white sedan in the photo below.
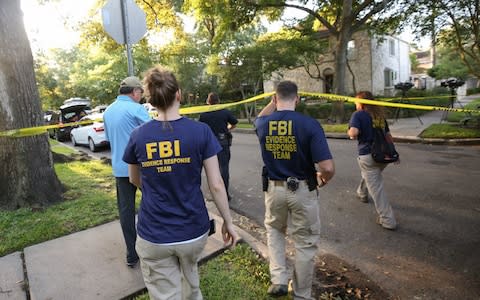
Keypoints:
(92, 135)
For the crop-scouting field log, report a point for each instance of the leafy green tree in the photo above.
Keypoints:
(94, 67)
(188, 62)
(454, 24)
(449, 64)
(340, 19)
(47, 83)
(414, 63)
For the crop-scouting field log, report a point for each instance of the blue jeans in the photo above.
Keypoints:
(224, 161)
(126, 210)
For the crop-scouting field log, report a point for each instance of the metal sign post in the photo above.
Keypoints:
(126, 35)
(126, 23)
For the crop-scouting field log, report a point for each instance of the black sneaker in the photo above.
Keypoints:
(277, 290)
(132, 264)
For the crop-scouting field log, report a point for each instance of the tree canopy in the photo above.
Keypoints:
(452, 24)
(230, 42)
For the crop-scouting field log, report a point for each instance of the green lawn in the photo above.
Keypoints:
(458, 116)
(89, 201)
(450, 131)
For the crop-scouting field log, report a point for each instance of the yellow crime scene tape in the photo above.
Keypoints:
(30, 131)
(413, 98)
(206, 108)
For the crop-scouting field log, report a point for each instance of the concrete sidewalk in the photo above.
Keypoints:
(86, 265)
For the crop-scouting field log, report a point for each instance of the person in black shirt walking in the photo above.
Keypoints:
(221, 122)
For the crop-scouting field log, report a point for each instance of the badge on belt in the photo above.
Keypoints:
(293, 183)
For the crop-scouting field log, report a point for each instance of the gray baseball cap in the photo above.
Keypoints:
(131, 81)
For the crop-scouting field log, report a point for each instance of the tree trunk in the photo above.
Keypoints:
(27, 177)
(338, 108)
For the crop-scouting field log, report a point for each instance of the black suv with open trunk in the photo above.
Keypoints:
(72, 110)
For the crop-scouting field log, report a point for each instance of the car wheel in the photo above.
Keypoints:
(92, 145)
(58, 137)
(74, 142)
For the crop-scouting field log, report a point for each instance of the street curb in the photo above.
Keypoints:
(435, 141)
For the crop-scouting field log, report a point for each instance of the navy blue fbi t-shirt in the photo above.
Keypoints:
(171, 155)
(362, 120)
(291, 143)
(218, 120)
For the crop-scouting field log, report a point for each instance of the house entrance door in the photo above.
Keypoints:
(328, 81)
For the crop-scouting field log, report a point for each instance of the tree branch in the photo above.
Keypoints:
(153, 11)
(376, 9)
(317, 16)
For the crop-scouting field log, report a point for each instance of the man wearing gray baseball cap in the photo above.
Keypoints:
(120, 118)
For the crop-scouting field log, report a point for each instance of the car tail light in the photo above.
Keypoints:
(98, 129)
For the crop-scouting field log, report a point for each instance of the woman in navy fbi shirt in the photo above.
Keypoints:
(166, 157)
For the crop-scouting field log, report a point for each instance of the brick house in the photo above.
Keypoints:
(377, 65)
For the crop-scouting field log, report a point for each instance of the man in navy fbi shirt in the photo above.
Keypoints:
(295, 153)
(221, 122)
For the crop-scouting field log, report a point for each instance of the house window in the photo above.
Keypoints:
(351, 51)
(392, 47)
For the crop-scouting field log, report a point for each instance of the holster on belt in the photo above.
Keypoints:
(312, 180)
(264, 179)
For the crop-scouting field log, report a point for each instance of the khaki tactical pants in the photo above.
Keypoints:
(303, 208)
(171, 271)
(372, 182)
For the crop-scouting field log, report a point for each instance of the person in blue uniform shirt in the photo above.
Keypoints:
(166, 157)
(297, 162)
(120, 118)
(361, 125)
(221, 122)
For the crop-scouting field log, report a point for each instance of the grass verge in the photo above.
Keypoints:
(89, 201)
(458, 116)
(450, 131)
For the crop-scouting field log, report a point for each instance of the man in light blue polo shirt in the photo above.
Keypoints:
(120, 118)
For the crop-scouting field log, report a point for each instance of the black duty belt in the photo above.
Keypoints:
(292, 183)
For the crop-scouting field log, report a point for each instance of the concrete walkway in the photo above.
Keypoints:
(90, 264)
